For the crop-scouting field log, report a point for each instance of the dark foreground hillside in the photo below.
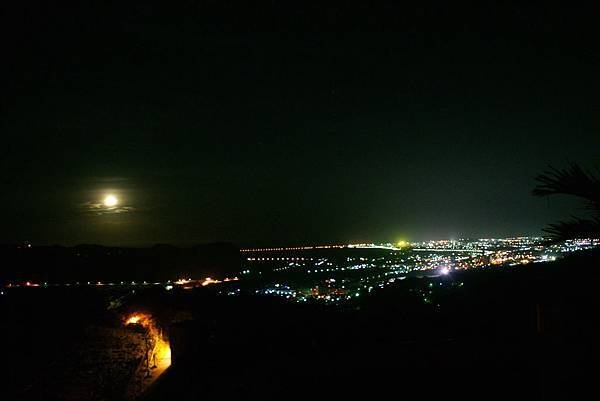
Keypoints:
(528, 332)
(518, 333)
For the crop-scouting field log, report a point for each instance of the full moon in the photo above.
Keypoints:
(110, 200)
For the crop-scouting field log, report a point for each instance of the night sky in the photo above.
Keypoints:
(284, 124)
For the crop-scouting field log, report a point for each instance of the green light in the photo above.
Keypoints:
(402, 244)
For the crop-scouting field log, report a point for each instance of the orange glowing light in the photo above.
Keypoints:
(160, 353)
(209, 280)
(133, 319)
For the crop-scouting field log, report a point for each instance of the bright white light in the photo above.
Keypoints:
(445, 271)
(110, 200)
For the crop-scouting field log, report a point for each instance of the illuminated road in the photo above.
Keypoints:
(162, 364)
(158, 354)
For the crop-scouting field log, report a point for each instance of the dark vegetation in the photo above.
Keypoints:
(63, 344)
(578, 182)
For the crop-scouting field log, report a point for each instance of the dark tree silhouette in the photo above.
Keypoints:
(574, 181)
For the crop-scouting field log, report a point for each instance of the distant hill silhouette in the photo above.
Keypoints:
(88, 262)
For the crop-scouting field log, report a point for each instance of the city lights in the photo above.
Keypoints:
(339, 273)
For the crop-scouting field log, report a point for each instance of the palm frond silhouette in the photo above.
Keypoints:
(573, 181)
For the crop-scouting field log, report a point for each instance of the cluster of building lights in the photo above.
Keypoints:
(431, 258)
(333, 277)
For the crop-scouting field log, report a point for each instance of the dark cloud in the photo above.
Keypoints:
(100, 209)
